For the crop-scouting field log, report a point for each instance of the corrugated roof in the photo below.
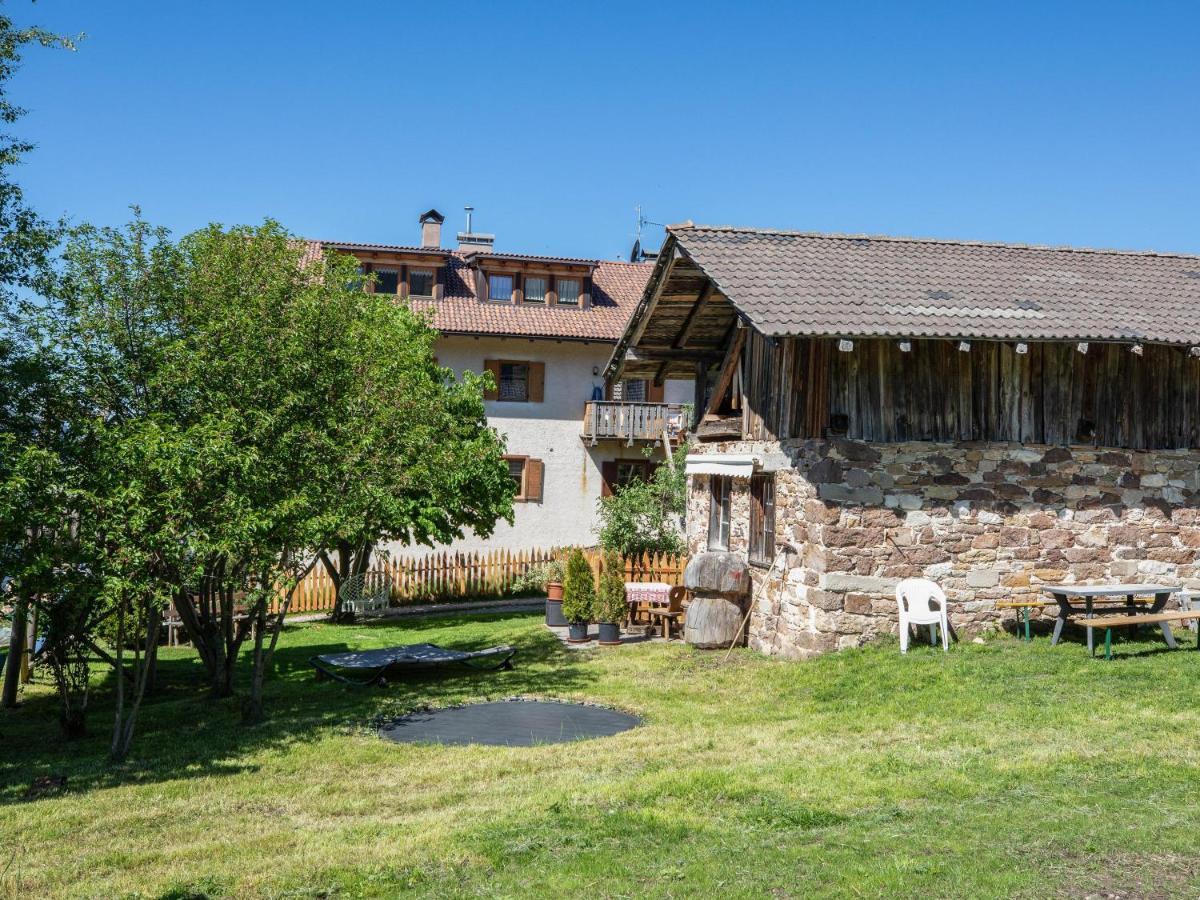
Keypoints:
(800, 283)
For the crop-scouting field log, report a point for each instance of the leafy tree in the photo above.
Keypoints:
(257, 409)
(579, 589)
(610, 603)
(646, 516)
(25, 243)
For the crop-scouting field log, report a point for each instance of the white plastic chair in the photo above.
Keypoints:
(922, 602)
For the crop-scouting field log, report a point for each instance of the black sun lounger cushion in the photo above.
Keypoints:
(377, 662)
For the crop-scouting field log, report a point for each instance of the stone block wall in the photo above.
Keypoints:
(985, 520)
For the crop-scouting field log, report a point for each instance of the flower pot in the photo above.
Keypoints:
(554, 614)
(554, 590)
(578, 633)
(610, 634)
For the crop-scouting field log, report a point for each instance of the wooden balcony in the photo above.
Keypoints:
(614, 420)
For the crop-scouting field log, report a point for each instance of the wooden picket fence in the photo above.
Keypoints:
(448, 576)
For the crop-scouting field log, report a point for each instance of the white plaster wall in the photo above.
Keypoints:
(549, 431)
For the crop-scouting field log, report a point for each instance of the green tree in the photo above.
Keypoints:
(25, 243)
(579, 589)
(646, 516)
(610, 602)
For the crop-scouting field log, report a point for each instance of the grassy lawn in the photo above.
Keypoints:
(1001, 769)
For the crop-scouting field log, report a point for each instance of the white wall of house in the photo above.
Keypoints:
(549, 431)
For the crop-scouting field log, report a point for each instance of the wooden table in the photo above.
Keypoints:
(1069, 599)
(641, 595)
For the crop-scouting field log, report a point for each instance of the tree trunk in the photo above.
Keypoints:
(252, 712)
(124, 728)
(16, 653)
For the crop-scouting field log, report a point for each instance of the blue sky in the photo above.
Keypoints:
(1062, 123)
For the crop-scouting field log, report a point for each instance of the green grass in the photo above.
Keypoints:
(1000, 769)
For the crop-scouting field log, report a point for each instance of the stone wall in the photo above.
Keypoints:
(984, 520)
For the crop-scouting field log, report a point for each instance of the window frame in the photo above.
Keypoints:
(761, 550)
(558, 300)
(512, 286)
(432, 280)
(720, 508)
(539, 276)
(522, 493)
(390, 270)
(500, 381)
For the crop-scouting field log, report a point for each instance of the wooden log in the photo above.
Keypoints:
(712, 622)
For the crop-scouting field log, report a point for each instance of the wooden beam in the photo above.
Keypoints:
(658, 354)
(701, 301)
(661, 374)
(730, 364)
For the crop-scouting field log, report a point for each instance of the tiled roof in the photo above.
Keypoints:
(807, 284)
(616, 289)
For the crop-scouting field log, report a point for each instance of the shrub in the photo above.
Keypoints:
(647, 516)
(579, 589)
(610, 605)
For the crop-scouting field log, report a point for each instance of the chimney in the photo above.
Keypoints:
(471, 242)
(431, 229)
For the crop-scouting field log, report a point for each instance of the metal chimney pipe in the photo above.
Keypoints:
(469, 209)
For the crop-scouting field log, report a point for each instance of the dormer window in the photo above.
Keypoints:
(420, 282)
(536, 287)
(568, 291)
(500, 288)
(387, 281)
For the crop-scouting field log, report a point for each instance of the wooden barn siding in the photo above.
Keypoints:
(792, 386)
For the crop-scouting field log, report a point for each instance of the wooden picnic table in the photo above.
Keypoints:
(1114, 598)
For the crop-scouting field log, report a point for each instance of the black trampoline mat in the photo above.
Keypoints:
(523, 723)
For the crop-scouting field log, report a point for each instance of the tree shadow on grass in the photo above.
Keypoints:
(183, 733)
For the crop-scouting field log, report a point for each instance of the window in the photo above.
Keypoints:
(718, 512)
(526, 475)
(516, 471)
(568, 291)
(387, 281)
(633, 391)
(500, 288)
(535, 288)
(762, 519)
(514, 382)
(420, 282)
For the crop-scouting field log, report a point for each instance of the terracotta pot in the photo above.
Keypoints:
(578, 633)
(554, 614)
(610, 634)
(554, 590)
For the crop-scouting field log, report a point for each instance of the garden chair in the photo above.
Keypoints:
(671, 614)
(922, 602)
(366, 592)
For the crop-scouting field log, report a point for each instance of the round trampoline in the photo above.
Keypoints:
(512, 723)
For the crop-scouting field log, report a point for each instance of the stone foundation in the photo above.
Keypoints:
(986, 521)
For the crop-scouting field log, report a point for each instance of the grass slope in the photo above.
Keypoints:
(1000, 769)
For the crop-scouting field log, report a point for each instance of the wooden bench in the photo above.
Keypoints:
(1024, 606)
(1108, 623)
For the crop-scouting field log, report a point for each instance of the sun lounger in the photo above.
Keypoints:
(371, 666)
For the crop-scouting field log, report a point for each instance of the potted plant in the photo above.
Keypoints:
(579, 596)
(554, 593)
(610, 605)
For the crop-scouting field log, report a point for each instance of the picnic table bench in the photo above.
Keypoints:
(1024, 606)
(1162, 619)
(1119, 597)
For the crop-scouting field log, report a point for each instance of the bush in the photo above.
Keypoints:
(579, 589)
(610, 605)
(646, 516)
(535, 579)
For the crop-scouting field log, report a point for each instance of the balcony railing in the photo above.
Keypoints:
(629, 422)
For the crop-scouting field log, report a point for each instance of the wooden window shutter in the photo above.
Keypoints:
(534, 475)
(537, 382)
(493, 366)
(608, 471)
(654, 392)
